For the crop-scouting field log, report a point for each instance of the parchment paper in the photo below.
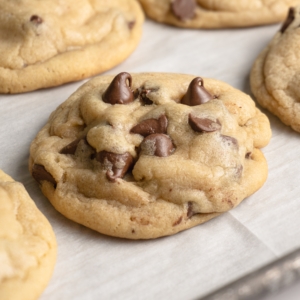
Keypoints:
(192, 263)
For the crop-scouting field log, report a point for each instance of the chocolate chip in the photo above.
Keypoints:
(177, 222)
(203, 124)
(248, 155)
(157, 144)
(143, 97)
(183, 9)
(36, 19)
(230, 141)
(196, 93)
(71, 148)
(131, 24)
(289, 19)
(120, 163)
(151, 126)
(119, 90)
(39, 173)
(190, 211)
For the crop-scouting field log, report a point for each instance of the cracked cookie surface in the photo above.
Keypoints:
(275, 74)
(48, 43)
(150, 154)
(215, 13)
(27, 244)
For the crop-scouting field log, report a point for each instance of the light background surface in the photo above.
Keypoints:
(195, 262)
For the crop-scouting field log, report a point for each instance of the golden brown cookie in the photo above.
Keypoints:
(150, 154)
(217, 13)
(276, 72)
(51, 42)
(27, 244)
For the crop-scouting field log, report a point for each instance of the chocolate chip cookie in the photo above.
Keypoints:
(27, 244)
(276, 72)
(216, 13)
(48, 43)
(146, 155)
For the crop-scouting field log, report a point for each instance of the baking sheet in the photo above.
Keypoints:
(195, 262)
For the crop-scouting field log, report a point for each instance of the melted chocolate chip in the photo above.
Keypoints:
(230, 141)
(71, 148)
(143, 97)
(36, 19)
(177, 222)
(190, 211)
(203, 124)
(290, 18)
(39, 173)
(131, 24)
(248, 155)
(157, 144)
(118, 91)
(120, 163)
(183, 9)
(196, 94)
(151, 126)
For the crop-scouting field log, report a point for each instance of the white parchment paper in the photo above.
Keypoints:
(192, 263)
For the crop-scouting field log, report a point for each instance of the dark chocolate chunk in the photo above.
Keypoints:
(203, 124)
(71, 148)
(230, 141)
(183, 9)
(190, 211)
(36, 19)
(151, 126)
(289, 19)
(39, 173)
(120, 163)
(157, 144)
(119, 90)
(196, 93)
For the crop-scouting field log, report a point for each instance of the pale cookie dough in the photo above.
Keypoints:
(51, 42)
(27, 244)
(276, 73)
(217, 13)
(150, 155)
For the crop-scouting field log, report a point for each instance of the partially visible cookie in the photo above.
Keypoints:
(150, 154)
(27, 244)
(275, 74)
(51, 42)
(216, 13)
